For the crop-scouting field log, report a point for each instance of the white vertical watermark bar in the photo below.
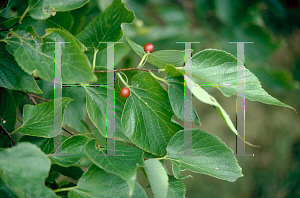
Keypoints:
(57, 125)
(240, 102)
(110, 99)
(188, 108)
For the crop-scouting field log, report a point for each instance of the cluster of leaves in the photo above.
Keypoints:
(145, 129)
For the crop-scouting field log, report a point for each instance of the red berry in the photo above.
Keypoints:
(125, 92)
(148, 47)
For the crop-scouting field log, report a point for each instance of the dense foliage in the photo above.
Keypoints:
(148, 130)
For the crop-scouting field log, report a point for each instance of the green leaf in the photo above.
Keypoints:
(176, 188)
(3, 5)
(146, 118)
(219, 67)
(43, 9)
(67, 22)
(203, 96)
(30, 27)
(38, 119)
(106, 27)
(12, 76)
(124, 164)
(96, 106)
(98, 183)
(45, 144)
(36, 57)
(5, 191)
(157, 177)
(7, 110)
(159, 58)
(176, 95)
(120, 49)
(24, 169)
(72, 152)
(209, 156)
(72, 171)
(76, 110)
(18, 96)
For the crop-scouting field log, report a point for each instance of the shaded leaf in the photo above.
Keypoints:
(66, 23)
(3, 5)
(72, 171)
(7, 110)
(45, 144)
(177, 96)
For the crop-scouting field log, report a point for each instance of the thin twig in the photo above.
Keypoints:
(40, 98)
(8, 134)
(66, 130)
(128, 69)
(30, 97)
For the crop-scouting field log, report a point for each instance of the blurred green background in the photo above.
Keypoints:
(274, 57)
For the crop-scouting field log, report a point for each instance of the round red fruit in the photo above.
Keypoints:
(125, 92)
(148, 47)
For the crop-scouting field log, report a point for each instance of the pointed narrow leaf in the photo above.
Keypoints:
(124, 164)
(106, 27)
(12, 76)
(212, 66)
(43, 9)
(23, 169)
(210, 156)
(146, 118)
(38, 119)
(205, 97)
(98, 183)
(177, 96)
(159, 58)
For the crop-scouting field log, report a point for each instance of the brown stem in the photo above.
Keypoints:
(30, 96)
(40, 98)
(8, 134)
(66, 130)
